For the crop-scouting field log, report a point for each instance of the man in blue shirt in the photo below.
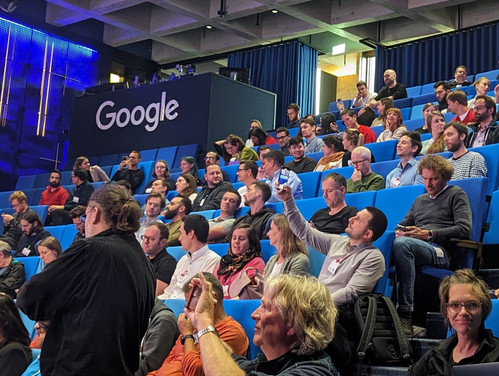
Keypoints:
(272, 165)
(405, 173)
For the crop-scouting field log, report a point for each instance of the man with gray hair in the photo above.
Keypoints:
(363, 179)
(13, 275)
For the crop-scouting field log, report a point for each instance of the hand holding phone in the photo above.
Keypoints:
(191, 296)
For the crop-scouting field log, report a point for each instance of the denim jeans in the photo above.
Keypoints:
(408, 253)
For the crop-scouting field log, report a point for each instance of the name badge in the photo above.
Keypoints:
(333, 266)
(148, 190)
(76, 200)
(439, 251)
(395, 182)
(26, 251)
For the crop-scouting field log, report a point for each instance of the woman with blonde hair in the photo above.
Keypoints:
(351, 139)
(383, 106)
(292, 255)
(94, 173)
(435, 122)
(394, 129)
(482, 86)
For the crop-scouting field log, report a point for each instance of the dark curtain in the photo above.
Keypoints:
(286, 69)
(433, 59)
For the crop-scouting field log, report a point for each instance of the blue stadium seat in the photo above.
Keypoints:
(309, 206)
(491, 75)
(107, 170)
(176, 305)
(220, 249)
(170, 195)
(310, 183)
(30, 193)
(316, 156)
(141, 198)
(293, 131)
(41, 180)
(383, 151)
(413, 124)
(492, 235)
(417, 113)
(403, 103)
(428, 89)
(41, 210)
(231, 171)
(208, 214)
(108, 160)
(384, 244)
(334, 107)
(68, 236)
(66, 177)
(360, 199)
(406, 113)
(241, 310)
(378, 129)
(177, 252)
(183, 151)
(423, 99)
(167, 154)
(287, 158)
(413, 91)
(25, 182)
(385, 167)
(30, 265)
(267, 250)
(490, 153)
(403, 196)
(148, 155)
(57, 231)
(346, 172)
(4, 199)
(316, 261)
(29, 324)
(276, 206)
(492, 321)
(147, 167)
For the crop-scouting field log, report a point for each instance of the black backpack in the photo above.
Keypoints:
(382, 341)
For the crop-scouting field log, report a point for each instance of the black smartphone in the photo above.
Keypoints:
(191, 295)
(401, 228)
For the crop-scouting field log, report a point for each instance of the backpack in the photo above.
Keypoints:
(382, 341)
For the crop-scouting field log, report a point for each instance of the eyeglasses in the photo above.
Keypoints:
(242, 169)
(281, 138)
(359, 162)
(471, 307)
(16, 205)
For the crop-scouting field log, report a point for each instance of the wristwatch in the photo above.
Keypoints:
(430, 236)
(183, 338)
(203, 331)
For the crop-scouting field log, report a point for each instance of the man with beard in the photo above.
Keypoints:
(210, 196)
(177, 209)
(442, 89)
(485, 131)
(467, 164)
(393, 89)
(293, 112)
(54, 195)
(221, 225)
(155, 202)
(33, 233)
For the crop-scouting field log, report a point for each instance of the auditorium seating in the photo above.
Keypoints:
(31, 264)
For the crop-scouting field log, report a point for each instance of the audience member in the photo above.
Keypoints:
(352, 265)
(308, 130)
(293, 112)
(291, 256)
(290, 334)
(333, 154)
(15, 354)
(186, 186)
(470, 342)
(392, 89)
(233, 150)
(185, 357)
(258, 216)
(384, 104)
(49, 249)
(188, 165)
(54, 195)
(300, 162)
(466, 164)
(282, 137)
(460, 78)
(408, 148)
(485, 130)
(33, 233)
(457, 103)
(159, 338)
(272, 166)
(154, 242)
(435, 123)
(254, 124)
(79, 195)
(246, 174)
(328, 124)
(212, 158)
(11, 227)
(199, 258)
(482, 86)
(442, 89)
(155, 203)
(334, 218)
(129, 170)
(428, 108)
(125, 186)
(260, 137)
(94, 173)
(162, 172)
(363, 96)
(211, 195)
(89, 272)
(221, 225)
(351, 139)
(423, 236)
(363, 179)
(350, 120)
(243, 256)
(177, 209)
(77, 216)
(262, 150)
(13, 275)
(366, 116)
(160, 186)
(394, 129)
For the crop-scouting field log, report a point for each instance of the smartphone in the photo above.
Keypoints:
(339, 100)
(283, 177)
(191, 295)
(401, 228)
(124, 158)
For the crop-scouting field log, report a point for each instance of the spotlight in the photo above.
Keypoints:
(209, 27)
(275, 11)
(8, 5)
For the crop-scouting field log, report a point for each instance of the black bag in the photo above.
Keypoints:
(382, 341)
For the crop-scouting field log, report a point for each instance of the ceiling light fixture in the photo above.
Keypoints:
(275, 11)
(209, 27)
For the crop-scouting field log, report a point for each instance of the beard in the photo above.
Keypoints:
(170, 214)
(54, 184)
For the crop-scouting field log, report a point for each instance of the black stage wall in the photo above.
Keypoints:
(198, 109)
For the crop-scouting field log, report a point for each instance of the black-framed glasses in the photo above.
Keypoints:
(470, 307)
(359, 162)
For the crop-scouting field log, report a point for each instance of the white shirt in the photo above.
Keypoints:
(203, 260)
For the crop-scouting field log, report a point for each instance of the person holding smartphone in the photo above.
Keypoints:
(129, 170)
(274, 171)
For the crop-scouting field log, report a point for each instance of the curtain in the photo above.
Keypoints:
(433, 59)
(287, 69)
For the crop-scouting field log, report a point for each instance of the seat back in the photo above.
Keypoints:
(316, 261)
(384, 244)
(310, 183)
(25, 182)
(31, 264)
(383, 151)
(361, 199)
(490, 153)
(492, 235)
(167, 154)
